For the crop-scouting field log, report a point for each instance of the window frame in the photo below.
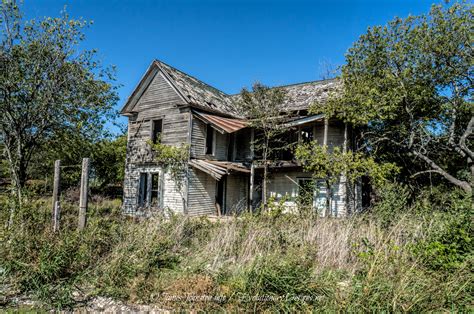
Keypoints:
(154, 139)
(213, 144)
(142, 189)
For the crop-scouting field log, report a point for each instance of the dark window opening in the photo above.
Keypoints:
(209, 140)
(155, 181)
(230, 149)
(307, 134)
(220, 195)
(156, 130)
(143, 189)
(283, 145)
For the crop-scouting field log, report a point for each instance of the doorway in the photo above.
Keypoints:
(220, 194)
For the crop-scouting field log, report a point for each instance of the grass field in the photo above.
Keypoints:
(398, 258)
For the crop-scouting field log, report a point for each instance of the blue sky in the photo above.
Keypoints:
(228, 44)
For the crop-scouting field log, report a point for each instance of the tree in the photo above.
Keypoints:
(48, 86)
(266, 111)
(409, 85)
(330, 164)
(108, 160)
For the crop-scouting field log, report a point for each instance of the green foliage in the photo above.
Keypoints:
(173, 158)
(408, 85)
(265, 110)
(272, 261)
(392, 200)
(108, 160)
(50, 87)
(452, 246)
(332, 163)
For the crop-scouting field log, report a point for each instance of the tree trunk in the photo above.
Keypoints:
(462, 184)
(264, 189)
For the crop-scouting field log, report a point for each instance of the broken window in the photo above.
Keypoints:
(307, 134)
(156, 130)
(209, 140)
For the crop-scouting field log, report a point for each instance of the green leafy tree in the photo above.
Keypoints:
(330, 164)
(48, 86)
(409, 85)
(108, 160)
(265, 109)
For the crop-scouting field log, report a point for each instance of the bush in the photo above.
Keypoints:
(399, 257)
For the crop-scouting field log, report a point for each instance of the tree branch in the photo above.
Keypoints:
(462, 184)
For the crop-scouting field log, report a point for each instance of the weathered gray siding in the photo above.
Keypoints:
(158, 101)
(237, 193)
(198, 139)
(202, 193)
(198, 142)
(174, 195)
(335, 133)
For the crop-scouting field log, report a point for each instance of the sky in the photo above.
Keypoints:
(227, 44)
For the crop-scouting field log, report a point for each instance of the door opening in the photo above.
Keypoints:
(220, 195)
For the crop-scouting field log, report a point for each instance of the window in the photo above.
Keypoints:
(149, 189)
(209, 140)
(156, 130)
(143, 189)
(155, 182)
(306, 134)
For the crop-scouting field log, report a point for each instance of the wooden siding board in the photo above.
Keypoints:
(237, 191)
(201, 193)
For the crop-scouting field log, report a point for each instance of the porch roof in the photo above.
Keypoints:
(218, 169)
(221, 124)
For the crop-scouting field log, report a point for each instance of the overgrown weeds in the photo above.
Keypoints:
(412, 260)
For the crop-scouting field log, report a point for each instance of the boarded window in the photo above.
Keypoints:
(156, 130)
(209, 140)
(143, 189)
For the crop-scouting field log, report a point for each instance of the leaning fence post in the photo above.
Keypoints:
(56, 192)
(84, 192)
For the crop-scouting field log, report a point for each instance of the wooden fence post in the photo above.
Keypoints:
(56, 192)
(56, 217)
(84, 191)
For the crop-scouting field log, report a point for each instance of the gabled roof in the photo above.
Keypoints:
(200, 95)
(193, 91)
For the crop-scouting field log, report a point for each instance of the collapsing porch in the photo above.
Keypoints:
(219, 185)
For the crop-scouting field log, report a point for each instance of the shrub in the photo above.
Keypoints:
(399, 257)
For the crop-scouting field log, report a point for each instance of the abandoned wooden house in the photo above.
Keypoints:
(221, 177)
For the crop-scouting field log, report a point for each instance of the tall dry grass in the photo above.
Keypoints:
(293, 262)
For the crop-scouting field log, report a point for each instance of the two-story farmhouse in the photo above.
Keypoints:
(221, 175)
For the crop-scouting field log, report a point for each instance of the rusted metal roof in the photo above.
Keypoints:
(223, 125)
(217, 169)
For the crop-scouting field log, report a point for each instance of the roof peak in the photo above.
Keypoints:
(189, 75)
